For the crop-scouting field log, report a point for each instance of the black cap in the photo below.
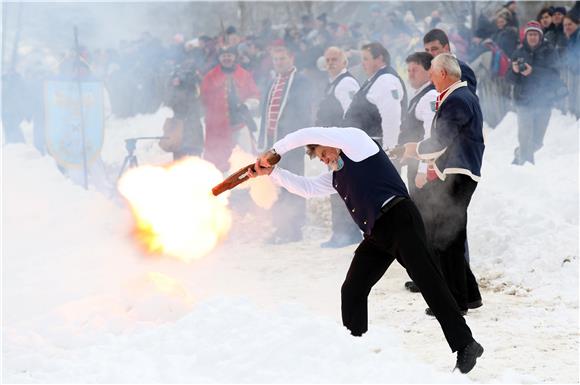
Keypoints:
(561, 10)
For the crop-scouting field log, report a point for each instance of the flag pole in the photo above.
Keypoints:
(81, 107)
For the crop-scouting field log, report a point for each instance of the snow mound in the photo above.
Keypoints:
(225, 340)
(523, 221)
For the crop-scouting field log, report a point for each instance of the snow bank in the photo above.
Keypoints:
(523, 220)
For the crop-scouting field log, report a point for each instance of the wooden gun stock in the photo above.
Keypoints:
(241, 175)
(397, 152)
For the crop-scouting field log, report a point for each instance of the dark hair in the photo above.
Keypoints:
(547, 10)
(376, 50)
(436, 35)
(573, 19)
(310, 150)
(421, 58)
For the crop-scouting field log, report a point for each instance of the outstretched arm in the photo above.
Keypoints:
(305, 187)
(355, 143)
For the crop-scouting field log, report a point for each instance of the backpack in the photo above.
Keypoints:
(500, 62)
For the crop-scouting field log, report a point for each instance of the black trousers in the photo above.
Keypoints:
(443, 205)
(400, 234)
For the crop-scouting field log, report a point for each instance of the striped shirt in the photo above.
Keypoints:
(275, 102)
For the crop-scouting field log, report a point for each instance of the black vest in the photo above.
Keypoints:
(330, 112)
(365, 115)
(412, 129)
(365, 186)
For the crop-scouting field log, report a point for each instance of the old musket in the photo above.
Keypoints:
(241, 175)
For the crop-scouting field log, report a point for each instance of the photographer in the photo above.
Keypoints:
(537, 86)
(183, 98)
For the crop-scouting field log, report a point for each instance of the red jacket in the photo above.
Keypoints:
(214, 96)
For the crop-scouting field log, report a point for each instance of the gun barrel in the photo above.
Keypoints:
(240, 176)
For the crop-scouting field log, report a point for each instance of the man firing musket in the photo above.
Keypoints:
(378, 202)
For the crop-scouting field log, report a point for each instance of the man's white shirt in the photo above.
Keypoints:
(386, 93)
(425, 113)
(345, 90)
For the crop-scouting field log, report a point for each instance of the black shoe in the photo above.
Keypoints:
(467, 357)
(340, 241)
(474, 304)
(412, 287)
(428, 311)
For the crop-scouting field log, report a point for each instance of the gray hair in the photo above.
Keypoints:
(341, 53)
(448, 63)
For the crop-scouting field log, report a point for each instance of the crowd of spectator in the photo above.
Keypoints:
(142, 75)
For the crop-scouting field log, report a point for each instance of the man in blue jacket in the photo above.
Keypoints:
(455, 151)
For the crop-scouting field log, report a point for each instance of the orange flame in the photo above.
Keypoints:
(262, 190)
(176, 214)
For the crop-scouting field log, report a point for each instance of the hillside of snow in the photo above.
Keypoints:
(82, 302)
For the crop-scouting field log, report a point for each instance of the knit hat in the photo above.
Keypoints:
(561, 10)
(534, 26)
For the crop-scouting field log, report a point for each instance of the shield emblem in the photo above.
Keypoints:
(395, 94)
(63, 128)
(433, 106)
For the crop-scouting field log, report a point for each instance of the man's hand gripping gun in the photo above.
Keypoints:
(241, 175)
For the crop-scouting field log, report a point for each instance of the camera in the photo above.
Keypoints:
(521, 64)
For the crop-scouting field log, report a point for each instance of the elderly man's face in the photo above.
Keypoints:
(335, 62)
(438, 78)
(569, 27)
(435, 48)
(227, 59)
(533, 38)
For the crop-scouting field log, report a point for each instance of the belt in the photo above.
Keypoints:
(390, 204)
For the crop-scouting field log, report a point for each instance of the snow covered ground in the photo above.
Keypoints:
(82, 303)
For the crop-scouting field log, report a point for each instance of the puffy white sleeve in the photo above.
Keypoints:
(386, 93)
(345, 91)
(425, 112)
(354, 142)
(306, 187)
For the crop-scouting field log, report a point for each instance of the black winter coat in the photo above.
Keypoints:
(543, 85)
(572, 58)
(507, 39)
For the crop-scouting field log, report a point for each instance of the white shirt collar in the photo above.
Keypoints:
(422, 88)
(340, 73)
(370, 77)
